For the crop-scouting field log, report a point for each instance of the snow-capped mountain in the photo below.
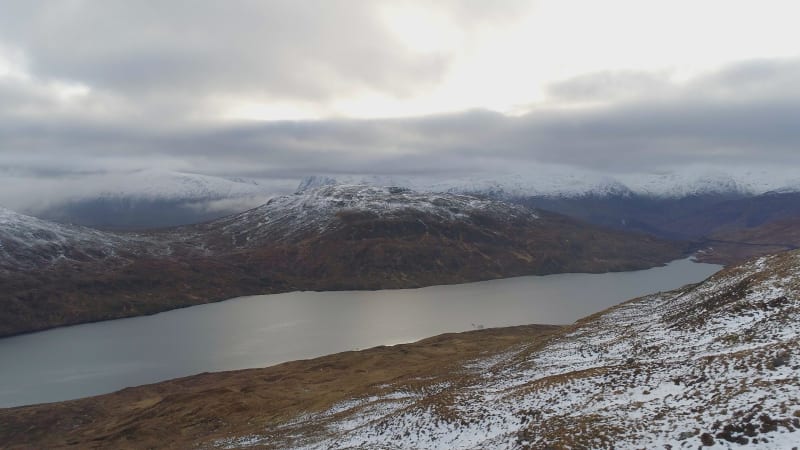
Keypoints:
(694, 183)
(690, 204)
(30, 243)
(677, 185)
(140, 199)
(328, 207)
(157, 184)
(553, 181)
(162, 198)
(329, 238)
(713, 364)
(505, 186)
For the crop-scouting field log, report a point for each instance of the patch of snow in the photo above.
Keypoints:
(28, 242)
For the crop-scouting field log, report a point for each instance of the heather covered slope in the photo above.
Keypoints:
(709, 364)
(714, 363)
(331, 238)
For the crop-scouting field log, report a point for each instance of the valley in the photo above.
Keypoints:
(399, 225)
(330, 238)
(711, 363)
(258, 331)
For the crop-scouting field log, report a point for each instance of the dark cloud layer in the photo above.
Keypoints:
(721, 119)
(150, 67)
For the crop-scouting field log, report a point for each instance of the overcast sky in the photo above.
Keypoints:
(281, 89)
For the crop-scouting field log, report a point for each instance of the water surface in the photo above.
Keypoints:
(263, 330)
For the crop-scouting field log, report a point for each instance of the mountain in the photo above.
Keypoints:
(330, 238)
(503, 186)
(29, 243)
(695, 218)
(151, 199)
(691, 204)
(713, 364)
(159, 198)
(555, 181)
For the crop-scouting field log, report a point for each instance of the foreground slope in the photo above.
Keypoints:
(196, 411)
(713, 364)
(331, 238)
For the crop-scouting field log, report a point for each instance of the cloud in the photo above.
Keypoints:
(187, 52)
(104, 87)
(739, 115)
(608, 86)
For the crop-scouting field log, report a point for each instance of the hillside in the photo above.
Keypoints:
(726, 247)
(690, 205)
(712, 364)
(330, 238)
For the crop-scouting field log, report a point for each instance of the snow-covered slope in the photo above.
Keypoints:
(170, 185)
(569, 182)
(141, 185)
(134, 200)
(547, 183)
(697, 182)
(714, 364)
(27, 242)
(324, 208)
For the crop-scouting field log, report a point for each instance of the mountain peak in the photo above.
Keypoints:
(314, 181)
(322, 208)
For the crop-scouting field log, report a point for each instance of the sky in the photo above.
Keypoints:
(278, 90)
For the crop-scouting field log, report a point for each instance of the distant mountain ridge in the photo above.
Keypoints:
(158, 198)
(565, 182)
(152, 198)
(682, 205)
